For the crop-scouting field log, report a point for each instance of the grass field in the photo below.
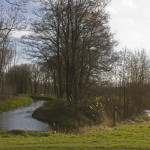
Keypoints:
(14, 102)
(127, 137)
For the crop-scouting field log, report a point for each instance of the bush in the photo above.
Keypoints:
(68, 115)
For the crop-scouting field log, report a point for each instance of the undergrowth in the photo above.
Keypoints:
(68, 116)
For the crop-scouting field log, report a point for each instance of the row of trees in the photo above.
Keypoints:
(9, 21)
(28, 79)
(127, 88)
(131, 87)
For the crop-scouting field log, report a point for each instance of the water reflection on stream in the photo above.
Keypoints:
(21, 118)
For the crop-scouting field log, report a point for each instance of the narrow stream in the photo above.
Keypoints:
(21, 118)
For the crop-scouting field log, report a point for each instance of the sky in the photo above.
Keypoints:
(130, 21)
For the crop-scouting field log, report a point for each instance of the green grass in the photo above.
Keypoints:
(129, 137)
(15, 102)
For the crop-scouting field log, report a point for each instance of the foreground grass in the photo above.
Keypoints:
(120, 138)
(15, 102)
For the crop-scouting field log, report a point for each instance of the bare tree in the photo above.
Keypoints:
(76, 36)
(8, 23)
(132, 73)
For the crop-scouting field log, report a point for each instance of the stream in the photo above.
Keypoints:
(21, 118)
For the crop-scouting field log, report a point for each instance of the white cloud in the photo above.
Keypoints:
(131, 23)
(130, 20)
(129, 3)
(112, 10)
(19, 34)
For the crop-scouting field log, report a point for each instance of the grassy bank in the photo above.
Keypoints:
(129, 137)
(14, 102)
(67, 117)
